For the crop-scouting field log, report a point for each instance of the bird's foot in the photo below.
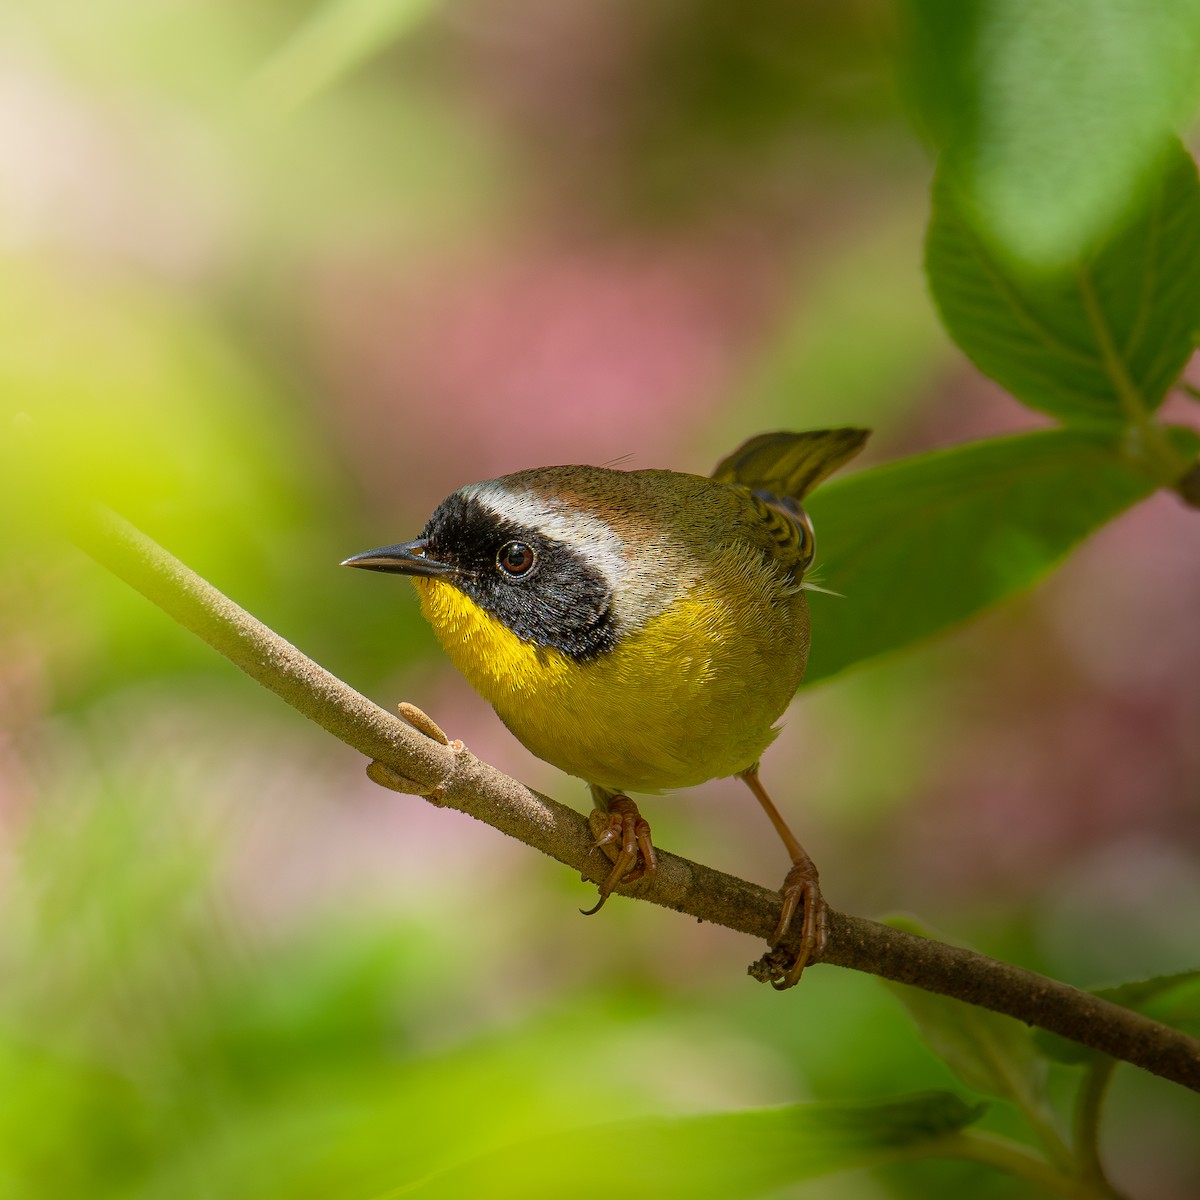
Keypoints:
(800, 887)
(624, 836)
(800, 890)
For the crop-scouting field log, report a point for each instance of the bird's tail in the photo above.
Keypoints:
(790, 464)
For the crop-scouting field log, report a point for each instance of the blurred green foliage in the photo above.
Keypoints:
(960, 530)
(226, 968)
(1099, 341)
(1048, 109)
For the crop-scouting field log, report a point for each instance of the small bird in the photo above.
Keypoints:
(641, 630)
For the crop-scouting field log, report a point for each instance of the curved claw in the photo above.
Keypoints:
(801, 887)
(624, 835)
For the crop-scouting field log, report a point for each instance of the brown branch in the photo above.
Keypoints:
(451, 776)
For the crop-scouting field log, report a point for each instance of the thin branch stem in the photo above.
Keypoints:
(1040, 1118)
(1015, 1159)
(1008, 1156)
(1097, 1077)
(449, 775)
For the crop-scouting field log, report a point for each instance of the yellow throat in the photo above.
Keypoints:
(691, 695)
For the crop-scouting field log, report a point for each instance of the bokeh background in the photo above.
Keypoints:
(277, 278)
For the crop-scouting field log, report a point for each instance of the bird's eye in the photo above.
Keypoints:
(515, 558)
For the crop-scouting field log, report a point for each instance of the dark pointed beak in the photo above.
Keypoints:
(405, 558)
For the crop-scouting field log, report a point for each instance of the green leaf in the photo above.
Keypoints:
(1173, 999)
(938, 66)
(1061, 1049)
(723, 1154)
(990, 1053)
(1100, 339)
(1053, 109)
(918, 545)
(1140, 992)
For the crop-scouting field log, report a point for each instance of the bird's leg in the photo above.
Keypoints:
(624, 835)
(800, 886)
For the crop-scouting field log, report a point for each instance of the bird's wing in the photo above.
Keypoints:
(790, 464)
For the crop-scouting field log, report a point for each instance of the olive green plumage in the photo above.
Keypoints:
(661, 630)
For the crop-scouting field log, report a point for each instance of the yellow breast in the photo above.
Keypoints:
(692, 695)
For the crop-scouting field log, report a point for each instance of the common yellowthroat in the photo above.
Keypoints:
(641, 630)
